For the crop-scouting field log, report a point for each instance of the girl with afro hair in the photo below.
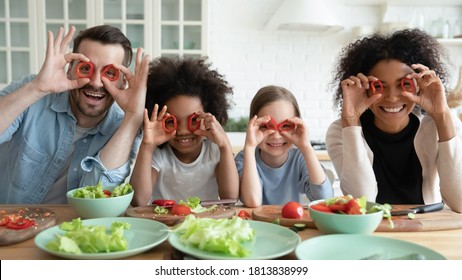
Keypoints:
(185, 151)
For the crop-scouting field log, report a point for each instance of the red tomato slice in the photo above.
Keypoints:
(244, 215)
(20, 223)
(4, 220)
(338, 207)
(321, 207)
(181, 210)
(164, 202)
(292, 210)
(353, 207)
(107, 193)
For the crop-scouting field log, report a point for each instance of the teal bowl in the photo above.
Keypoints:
(330, 223)
(89, 208)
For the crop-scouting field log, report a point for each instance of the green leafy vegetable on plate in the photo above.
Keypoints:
(216, 235)
(79, 239)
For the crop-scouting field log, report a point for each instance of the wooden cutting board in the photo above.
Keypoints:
(43, 217)
(169, 219)
(441, 220)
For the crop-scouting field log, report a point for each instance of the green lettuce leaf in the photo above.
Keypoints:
(216, 235)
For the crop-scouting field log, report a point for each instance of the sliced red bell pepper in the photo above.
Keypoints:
(193, 123)
(164, 202)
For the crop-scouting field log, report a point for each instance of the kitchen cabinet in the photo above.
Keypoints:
(160, 27)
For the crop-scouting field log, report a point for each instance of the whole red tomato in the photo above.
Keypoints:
(292, 210)
(181, 210)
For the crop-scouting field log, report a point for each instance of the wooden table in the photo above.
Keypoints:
(447, 243)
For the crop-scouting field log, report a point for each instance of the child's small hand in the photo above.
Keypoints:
(211, 129)
(255, 135)
(299, 136)
(153, 130)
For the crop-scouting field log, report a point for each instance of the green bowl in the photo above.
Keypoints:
(89, 208)
(329, 223)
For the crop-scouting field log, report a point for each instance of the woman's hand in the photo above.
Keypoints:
(431, 96)
(355, 98)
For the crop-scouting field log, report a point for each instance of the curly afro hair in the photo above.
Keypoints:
(171, 77)
(408, 46)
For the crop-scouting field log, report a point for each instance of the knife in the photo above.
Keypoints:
(225, 201)
(421, 209)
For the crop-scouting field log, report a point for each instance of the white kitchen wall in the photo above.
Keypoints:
(251, 57)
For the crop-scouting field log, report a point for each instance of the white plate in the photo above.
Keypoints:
(271, 241)
(142, 236)
(361, 247)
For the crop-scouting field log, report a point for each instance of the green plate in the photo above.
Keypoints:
(271, 241)
(361, 247)
(143, 235)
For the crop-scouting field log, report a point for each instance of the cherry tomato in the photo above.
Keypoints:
(181, 210)
(353, 207)
(244, 215)
(20, 223)
(107, 193)
(164, 202)
(292, 210)
(4, 220)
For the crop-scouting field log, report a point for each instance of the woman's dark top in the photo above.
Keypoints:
(396, 166)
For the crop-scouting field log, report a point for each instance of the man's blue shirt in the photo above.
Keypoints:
(37, 144)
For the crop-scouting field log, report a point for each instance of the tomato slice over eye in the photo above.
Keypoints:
(181, 210)
(20, 223)
(244, 215)
(4, 220)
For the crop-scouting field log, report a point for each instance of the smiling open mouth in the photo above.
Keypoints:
(94, 95)
(393, 109)
(276, 145)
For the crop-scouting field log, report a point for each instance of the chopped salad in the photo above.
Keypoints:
(98, 192)
(352, 206)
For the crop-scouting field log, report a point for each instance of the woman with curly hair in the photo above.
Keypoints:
(185, 151)
(396, 141)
